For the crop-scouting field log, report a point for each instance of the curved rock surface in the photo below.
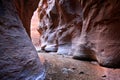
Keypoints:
(25, 10)
(18, 57)
(60, 23)
(100, 34)
(90, 26)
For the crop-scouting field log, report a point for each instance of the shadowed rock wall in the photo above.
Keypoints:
(60, 23)
(99, 38)
(18, 57)
(25, 10)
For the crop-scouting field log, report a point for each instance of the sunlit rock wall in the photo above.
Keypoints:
(60, 23)
(18, 57)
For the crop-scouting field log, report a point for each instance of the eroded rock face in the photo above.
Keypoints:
(60, 26)
(100, 32)
(60, 23)
(18, 57)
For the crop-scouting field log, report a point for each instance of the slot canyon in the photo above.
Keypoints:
(59, 39)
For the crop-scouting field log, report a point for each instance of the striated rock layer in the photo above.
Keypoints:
(18, 57)
(87, 29)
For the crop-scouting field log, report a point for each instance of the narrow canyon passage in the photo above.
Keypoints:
(63, 67)
(67, 40)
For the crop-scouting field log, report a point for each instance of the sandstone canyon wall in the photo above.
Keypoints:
(60, 23)
(25, 10)
(87, 29)
(18, 57)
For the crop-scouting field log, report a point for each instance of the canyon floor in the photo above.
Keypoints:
(60, 67)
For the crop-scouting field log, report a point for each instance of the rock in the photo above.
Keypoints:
(60, 22)
(51, 48)
(100, 32)
(86, 29)
(18, 57)
(25, 11)
(66, 70)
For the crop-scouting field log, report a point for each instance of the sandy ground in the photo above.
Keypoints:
(59, 67)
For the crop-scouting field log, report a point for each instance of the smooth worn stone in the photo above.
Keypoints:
(59, 23)
(90, 26)
(18, 57)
